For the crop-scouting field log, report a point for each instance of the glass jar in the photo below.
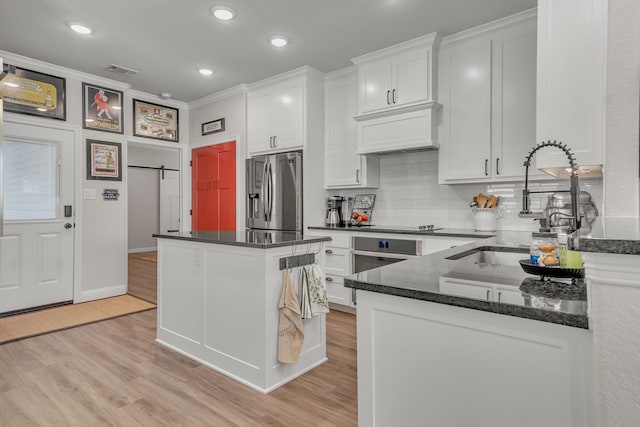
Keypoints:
(544, 250)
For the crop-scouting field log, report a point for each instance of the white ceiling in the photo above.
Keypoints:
(167, 41)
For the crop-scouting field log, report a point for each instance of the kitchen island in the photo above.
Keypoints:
(445, 340)
(218, 295)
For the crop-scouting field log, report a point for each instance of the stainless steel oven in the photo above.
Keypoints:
(372, 252)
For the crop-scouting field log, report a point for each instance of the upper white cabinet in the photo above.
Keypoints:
(488, 92)
(343, 167)
(277, 113)
(571, 93)
(397, 96)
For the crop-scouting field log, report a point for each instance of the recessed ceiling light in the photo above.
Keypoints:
(223, 13)
(80, 28)
(205, 71)
(279, 41)
(165, 95)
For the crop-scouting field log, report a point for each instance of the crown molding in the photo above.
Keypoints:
(218, 96)
(498, 24)
(143, 96)
(431, 40)
(304, 71)
(45, 67)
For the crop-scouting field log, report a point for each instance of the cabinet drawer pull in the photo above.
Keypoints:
(358, 176)
(328, 251)
(394, 98)
(499, 295)
(328, 279)
(270, 142)
(275, 142)
(486, 167)
(498, 166)
(388, 93)
(488, 294)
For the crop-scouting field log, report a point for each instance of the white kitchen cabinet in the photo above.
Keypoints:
(397, 96)
(487, 88)
(343, 167)
(275, 118)
(571, 85)
(480, 290)
(454, 366)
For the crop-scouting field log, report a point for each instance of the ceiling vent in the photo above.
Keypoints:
(122, 70)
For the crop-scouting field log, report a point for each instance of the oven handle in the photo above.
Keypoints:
(383, 255)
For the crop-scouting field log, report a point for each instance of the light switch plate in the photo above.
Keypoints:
(89, 193)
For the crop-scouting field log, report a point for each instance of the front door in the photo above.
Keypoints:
(214, 187)
(36, 249)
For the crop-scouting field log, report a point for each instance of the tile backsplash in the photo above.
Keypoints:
(410, 195)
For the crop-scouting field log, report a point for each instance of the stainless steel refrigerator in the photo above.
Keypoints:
(274, 192)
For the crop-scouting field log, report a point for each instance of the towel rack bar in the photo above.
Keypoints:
(297, 261)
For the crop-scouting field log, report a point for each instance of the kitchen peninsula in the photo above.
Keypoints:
(449, 331)
(218, 295)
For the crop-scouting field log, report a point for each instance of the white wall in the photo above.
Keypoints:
(143, 193)
(230, 105)
(622, 187)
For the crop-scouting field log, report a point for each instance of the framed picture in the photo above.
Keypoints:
(30, 92)
(104, 161)
(155, 121)
(101, 108)
(213, 127)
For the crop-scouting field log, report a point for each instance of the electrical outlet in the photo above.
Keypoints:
(89, 193)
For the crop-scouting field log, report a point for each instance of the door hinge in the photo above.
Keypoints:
(190, 162)
(190, 211)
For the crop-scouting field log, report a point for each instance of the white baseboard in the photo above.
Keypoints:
(94, 294)
(136, 250)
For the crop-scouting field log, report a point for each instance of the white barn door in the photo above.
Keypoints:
(169, 201)
(36, 249)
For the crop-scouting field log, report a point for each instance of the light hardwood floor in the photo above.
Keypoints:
(143, 277)
(113, 373)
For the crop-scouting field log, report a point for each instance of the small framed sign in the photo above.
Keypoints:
(213, 127)
(110, 194)
(101, 109)
(155, 121)
(104, 161)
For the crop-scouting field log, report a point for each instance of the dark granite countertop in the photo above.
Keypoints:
(420, 278)
(611, 235)
(447, 232)
(250, 238)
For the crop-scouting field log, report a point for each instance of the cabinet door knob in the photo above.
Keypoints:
(358, 176)
(388, 101)
(486, 167)
(498, 166)
(394, 98)
(328, 251)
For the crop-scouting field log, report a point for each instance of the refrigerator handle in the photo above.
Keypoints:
(263, 190)
(270, 191)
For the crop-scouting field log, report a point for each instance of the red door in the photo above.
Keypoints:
(213, 183)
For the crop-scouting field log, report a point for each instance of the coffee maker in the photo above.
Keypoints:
(334, 212)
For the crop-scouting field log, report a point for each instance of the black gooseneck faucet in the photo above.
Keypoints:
(574, 189)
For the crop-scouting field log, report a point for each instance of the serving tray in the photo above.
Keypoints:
(544, 272)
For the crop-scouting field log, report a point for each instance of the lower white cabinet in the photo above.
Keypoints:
(427, 364)
(480, 290)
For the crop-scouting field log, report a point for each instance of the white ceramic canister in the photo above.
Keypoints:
(485, 219)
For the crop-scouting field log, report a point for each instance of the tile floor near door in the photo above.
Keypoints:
(113, 373)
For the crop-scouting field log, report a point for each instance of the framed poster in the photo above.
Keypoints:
(103, 160)
(30, 92)
(155, 121)
(101, 108)
(213, 126)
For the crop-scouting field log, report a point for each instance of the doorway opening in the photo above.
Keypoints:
(154, 200)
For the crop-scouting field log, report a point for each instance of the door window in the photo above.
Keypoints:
(30, 180)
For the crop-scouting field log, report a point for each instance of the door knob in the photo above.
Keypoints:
(68, 226)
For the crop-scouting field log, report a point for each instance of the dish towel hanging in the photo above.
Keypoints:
(290, 334)
(317, 291)
(303, 293)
